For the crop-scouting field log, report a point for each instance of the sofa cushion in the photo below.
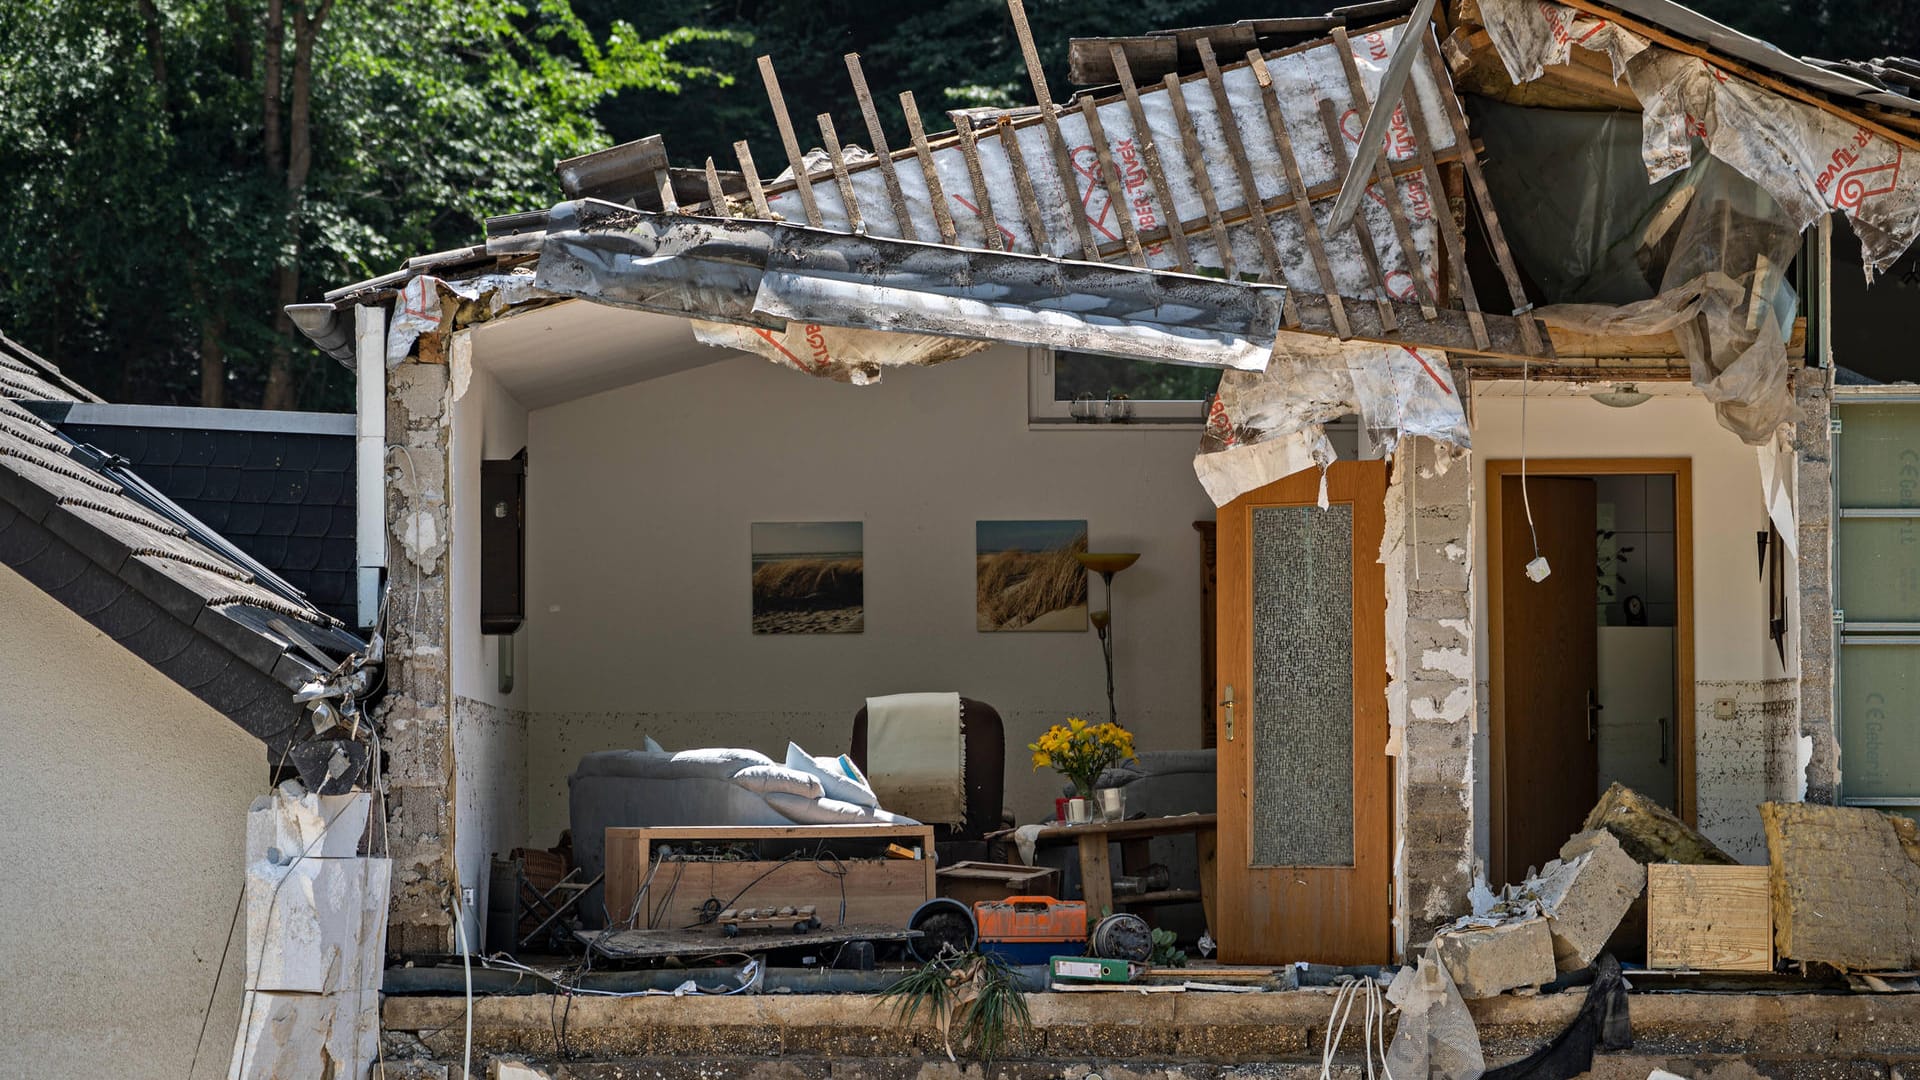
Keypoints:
(838, 776)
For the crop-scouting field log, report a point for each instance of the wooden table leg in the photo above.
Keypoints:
(1206, 840)
(1096, 876)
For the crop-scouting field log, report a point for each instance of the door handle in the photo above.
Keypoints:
(1226, 703)
(1593, 716)
(1663, 740)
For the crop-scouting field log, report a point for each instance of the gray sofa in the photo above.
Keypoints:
(1163, 783)
(617, 788)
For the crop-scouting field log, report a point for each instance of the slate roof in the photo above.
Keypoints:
(280, 486)
(93, 535)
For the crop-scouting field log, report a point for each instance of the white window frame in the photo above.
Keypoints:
(1044, 412)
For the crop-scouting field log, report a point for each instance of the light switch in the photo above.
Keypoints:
(1723, 708)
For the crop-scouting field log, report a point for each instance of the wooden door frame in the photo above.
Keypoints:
(1681, 469)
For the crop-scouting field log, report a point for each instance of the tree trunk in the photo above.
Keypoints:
(213, 362)
(299, 161)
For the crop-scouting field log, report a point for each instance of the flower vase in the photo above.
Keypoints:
(1079, 811)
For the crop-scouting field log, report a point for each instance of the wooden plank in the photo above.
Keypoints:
(1451, 240)
(1734, 67)
(1096, 876)
(646, 944)
(752, 176)
(877, 136)
(716, 197)
(1709, 918)
(935, 194)
(1023, 184)
(789, 140)
(1243, 169)
(1202, 183)
(982, 197)
(1489, 217)
(840, 177)
(1302, 208)
(1098, 61)
(1110, 177)
(1387, 186)
(1570, 344)
(1150, 157)
(1383, 300)
(1062, 162)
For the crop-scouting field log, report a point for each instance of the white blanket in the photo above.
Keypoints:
(916, 756)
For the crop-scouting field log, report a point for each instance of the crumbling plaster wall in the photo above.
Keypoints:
(1427, 549)
(1740, 760)
(125, 804)
(1819, 742)
(417, 712)
(489, 724)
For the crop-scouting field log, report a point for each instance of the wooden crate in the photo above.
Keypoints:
(878, 891)
(1709, 918)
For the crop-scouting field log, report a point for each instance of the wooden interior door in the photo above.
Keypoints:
(1549, 677)
(1305, 838)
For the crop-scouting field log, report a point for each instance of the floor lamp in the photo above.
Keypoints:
(1107, 564)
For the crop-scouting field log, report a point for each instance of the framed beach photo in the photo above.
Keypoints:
(808, 577)
(1027, 577)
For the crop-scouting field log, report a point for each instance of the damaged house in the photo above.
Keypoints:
(1448, 402)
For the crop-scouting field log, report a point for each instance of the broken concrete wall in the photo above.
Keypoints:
(1427, 550)
(1817, 741)
(417, 712)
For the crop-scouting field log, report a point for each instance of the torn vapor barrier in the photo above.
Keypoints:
(1012, 164)
(1808, 160)
(1271, 424)
(835, 352)
(768, 275)
(419, 309)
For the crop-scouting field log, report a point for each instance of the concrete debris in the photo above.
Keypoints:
(516, 1069)
(1491, 960)
(293, 822)
(1585, 893)
(1846, 886)
(1650, 832)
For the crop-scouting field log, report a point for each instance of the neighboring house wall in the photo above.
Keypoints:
(125, 807)
(639, 617)
(489, 726)
(1742, 761)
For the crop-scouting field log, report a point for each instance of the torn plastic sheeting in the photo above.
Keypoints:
(419, 309)
(1267, 425)
(833, 352)
(765, 273)
(1035, 302)
(1809, 160)
(1301, 81)
(1436, 1036)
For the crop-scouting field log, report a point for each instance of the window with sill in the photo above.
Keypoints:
(1153, 393)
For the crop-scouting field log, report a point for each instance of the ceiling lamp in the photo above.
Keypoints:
(1622, 396)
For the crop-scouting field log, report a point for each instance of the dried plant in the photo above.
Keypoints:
(1017, 587)
(973, 995)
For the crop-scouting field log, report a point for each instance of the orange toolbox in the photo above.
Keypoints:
(1030, 929)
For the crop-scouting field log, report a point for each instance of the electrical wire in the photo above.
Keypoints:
(1526, 503)
(466, 967)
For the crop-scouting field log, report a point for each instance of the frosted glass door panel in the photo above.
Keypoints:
(1302, 791)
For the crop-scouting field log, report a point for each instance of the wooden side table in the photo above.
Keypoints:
(1096, 861)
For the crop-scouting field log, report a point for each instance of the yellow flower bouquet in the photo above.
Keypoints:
(1081, 751)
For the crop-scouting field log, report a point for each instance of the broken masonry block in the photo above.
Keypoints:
(1585, 893)
(1846, 886)
(1650, 832)
(516, 1069)
(293, 822)
(317, 926)
(292, 1035)
(1488, 961)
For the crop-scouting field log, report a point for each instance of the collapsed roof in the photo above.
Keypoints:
(1191, 212)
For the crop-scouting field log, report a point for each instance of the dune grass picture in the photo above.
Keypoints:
(1027, 576)
(808, 577)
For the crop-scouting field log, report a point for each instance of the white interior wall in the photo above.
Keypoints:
(489, 727)
(1734, 660)
(126, 807)
(640, 499)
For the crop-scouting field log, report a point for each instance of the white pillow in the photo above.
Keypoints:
(772, 779)
(652, 747)
(837, 775)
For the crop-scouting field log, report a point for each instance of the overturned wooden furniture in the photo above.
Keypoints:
(839, 869)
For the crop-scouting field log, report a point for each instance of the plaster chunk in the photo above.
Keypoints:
(1453, 709)
(1454, 662)
(293, 822)
(1490, 961)
(295, 1035)
(1585, 893)
(316, 926)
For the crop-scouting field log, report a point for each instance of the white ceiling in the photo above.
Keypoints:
(577, 348)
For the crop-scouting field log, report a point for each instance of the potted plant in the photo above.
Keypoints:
(1080, 752)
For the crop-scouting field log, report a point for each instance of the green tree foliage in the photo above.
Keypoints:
(175, 170)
